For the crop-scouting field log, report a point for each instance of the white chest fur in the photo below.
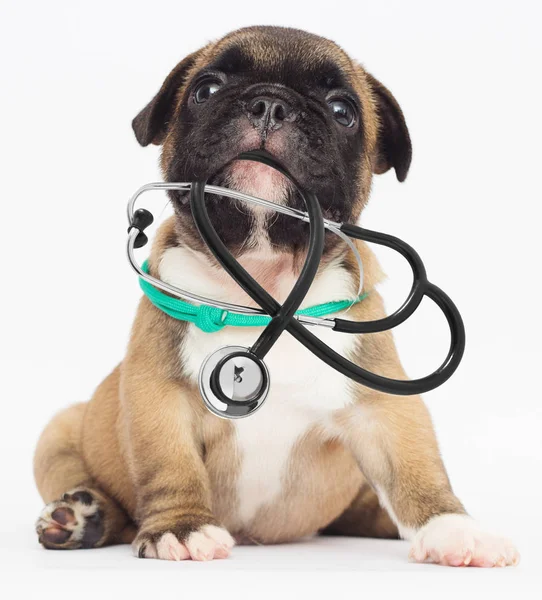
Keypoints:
(304, 390)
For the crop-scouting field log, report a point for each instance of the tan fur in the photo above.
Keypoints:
(145, 443)
(145, 430)
(401, 454)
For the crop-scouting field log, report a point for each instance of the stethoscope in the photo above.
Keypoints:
(234, 381)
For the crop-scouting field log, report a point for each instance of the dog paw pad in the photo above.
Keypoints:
(75, 521)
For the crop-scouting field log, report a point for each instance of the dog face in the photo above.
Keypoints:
(297, 96)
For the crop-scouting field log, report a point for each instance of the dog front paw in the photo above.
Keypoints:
(206, 543)
(457, 541)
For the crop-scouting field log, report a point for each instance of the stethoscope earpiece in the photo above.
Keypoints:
(141, 220)
(233, 382)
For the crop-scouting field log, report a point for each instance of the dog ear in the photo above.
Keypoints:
(150, 125)
(393, 148)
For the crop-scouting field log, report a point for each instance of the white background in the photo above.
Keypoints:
(467, 74)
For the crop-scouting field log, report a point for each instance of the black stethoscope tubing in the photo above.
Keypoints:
(282, 316)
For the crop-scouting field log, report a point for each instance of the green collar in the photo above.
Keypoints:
(211, 319)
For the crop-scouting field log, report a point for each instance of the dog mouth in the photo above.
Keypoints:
(255, 179)
(249, 177)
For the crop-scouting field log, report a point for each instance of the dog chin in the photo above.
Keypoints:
(257, 180)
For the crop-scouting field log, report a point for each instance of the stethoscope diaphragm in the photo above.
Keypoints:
(233, 382)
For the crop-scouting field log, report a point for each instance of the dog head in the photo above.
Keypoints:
(299, 97)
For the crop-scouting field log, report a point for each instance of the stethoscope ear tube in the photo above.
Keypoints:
(415, 296)
(421, 287)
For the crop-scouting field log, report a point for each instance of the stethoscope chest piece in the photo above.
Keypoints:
(233, 382)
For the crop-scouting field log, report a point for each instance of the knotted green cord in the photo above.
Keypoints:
(211, 319)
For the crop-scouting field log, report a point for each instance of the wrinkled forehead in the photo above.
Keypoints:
(283, 56)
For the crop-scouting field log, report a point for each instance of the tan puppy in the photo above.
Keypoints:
(144, 461)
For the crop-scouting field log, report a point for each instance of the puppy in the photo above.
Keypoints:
(144, 461)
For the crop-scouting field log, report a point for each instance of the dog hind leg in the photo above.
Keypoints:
(365, 517)
(78, 514)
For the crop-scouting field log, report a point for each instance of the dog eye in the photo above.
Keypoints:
(343, 111)
(205, 90)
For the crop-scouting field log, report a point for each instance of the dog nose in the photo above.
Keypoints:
(269, 113)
